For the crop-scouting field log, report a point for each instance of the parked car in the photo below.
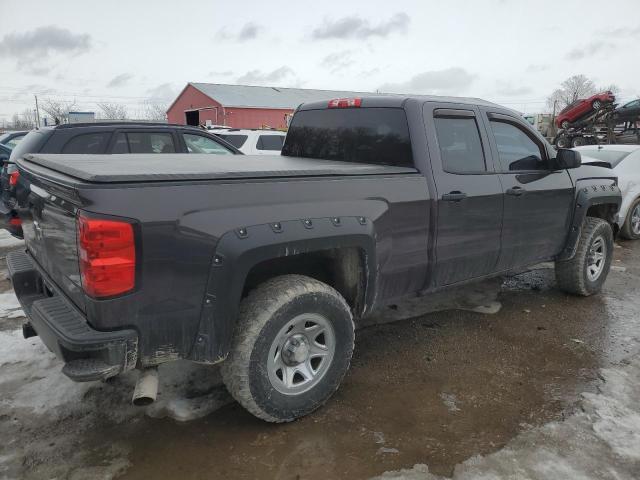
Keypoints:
(582, 107)
(5, 153)
(253, 142)
(624, 160)
(104, 138)
(629, 112)
(264, 265)
(11, 139)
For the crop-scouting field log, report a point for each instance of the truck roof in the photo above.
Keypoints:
(393, 100)
(189, 166)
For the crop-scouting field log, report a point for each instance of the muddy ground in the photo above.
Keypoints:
(435, 389)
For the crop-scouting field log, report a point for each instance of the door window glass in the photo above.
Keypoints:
(87, 143)
(516, 149)
(200, 144)
(270, 142)
(14, 141)
(149, 142)
(460, 145)
(235, 140)
(121, 145)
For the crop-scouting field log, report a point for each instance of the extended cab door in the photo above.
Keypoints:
(538, 200)
(469, 194)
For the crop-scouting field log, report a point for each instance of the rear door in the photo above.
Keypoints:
(144, 141)
(538, 200)
(469, 193)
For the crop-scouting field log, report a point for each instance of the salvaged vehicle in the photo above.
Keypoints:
(583, 106)
(265, 264)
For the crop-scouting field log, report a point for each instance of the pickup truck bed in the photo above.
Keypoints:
(156, 168)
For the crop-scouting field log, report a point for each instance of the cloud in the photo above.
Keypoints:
(120, 80)
(535, 68)
(38, 44)
(221, 73)
(337, 61)
(163, 92)
(249, 31)
(448, 81)
(356, 27)
(257, 77)
(620, 32)
(589, 50)
(508, 90)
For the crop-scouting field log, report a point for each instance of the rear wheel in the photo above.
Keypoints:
(577, 142)
(293, 345)
(631, 228)
(565, 124)
(587, 271)
(563, 141)
(597, 104)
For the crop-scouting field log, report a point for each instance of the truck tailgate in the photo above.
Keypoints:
(49, 227)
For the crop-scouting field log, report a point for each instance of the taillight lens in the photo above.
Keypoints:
(107, 253)
(345, 103)
(13, 178)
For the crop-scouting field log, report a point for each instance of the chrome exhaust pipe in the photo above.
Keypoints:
(146, 389)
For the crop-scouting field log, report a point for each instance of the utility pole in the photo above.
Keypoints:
(37, 113)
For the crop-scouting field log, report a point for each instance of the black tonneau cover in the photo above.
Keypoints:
(189, 166)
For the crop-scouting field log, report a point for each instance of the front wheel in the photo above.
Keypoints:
(293, 345)
(577, 142)
(597, 104)
(587, 271)
(631, 228)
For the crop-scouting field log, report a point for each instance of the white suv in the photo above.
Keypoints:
(252, 142)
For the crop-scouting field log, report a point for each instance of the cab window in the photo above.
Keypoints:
(516, 149)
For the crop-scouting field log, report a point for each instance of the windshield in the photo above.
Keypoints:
(362, 135)
(614, 157)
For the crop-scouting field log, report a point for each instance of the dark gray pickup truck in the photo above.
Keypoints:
(265, 263)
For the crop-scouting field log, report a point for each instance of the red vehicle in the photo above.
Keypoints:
(582, 107)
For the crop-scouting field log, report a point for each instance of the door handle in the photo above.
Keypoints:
(515, 191)
(454, 196)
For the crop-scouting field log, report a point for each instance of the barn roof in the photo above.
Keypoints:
(267, 97)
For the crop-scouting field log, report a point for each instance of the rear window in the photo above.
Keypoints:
(613, 157)
(270, 142)
(87, 143)
(31, 143)
(362, 135)
(235, 140)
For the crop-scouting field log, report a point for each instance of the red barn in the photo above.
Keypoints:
(242, 106)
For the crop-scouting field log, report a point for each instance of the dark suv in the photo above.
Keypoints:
(104, 138)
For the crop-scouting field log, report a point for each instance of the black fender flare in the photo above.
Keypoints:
(239, 250)
(586, 197)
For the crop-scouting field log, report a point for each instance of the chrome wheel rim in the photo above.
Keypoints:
(635, 220)
(597, 105)
(597, 258)
(301, 354)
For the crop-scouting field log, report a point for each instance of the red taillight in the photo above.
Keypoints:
(107, 254)
(13, 178)
(15, 221)
(345, 102)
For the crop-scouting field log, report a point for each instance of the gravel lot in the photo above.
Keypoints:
(507, 379)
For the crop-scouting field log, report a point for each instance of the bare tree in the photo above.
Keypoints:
(113, 111)
(58, 110)
(573, 88)
(155, 111)
(25, 120)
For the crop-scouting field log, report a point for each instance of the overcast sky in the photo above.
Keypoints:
(131, 52)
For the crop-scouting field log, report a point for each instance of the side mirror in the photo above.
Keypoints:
(3, 157)
(567, 158)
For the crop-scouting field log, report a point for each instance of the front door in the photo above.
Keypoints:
(538, 200)
(469, 194)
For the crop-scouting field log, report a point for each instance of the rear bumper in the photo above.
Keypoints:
(88, 354)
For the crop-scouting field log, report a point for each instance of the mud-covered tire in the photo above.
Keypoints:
(572, 275)
(627, 230)
(264, 313)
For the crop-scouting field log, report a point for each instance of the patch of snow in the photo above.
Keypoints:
(7, 240)
(379, 437)
(384, 450)
(10, 306)
(450, 401)
(600, 442)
